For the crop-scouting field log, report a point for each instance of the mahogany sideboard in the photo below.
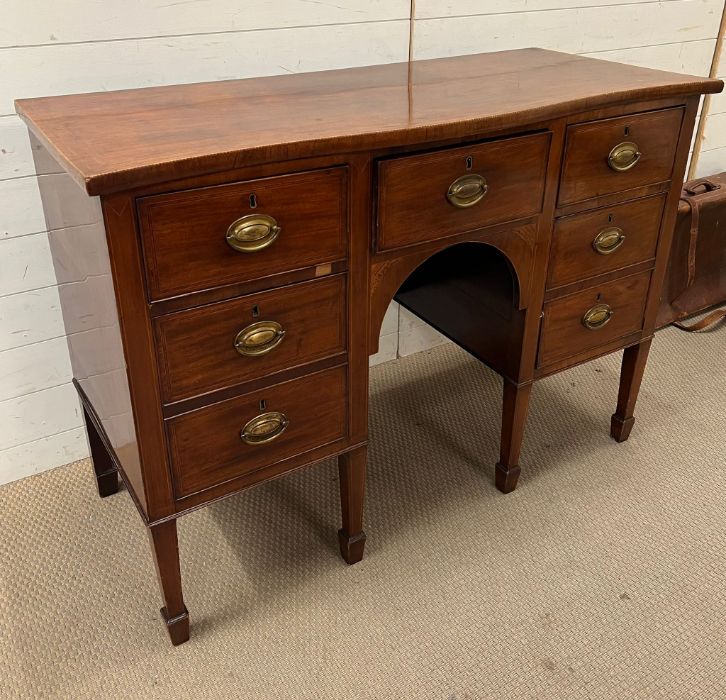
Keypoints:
(226, 251)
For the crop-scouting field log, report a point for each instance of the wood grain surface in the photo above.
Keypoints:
(113, 140)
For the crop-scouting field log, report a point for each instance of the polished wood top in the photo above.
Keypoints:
(115, 140)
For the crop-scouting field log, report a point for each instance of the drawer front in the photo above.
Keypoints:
(207, 448)
(613, 310)
(235, 341)
(585, 245)
(425, 197)
(282, 223)
(611, 155)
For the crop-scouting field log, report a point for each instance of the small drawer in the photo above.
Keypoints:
(254, 431)
(430, 196)
(235, 341)
(612, 155)
(212, 236)
(586, 245)
(593, 317)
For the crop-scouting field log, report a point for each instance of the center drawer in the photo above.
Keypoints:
(254, 431)
(430, 196)
(231, 342)
(211, 236)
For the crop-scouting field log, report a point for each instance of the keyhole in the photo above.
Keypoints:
(255, 311)
(253, 201)
(610, 218)
(599, 296)
(626, 132)
(469, 162)
(263, 404)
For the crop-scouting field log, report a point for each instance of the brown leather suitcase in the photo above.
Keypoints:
(696, 276)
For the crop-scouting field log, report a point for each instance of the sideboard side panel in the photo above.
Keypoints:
(125, 252)
(77, 238)
(671, 210)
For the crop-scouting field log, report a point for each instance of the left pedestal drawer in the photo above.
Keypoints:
(231, 342)
(234, 438)
(213, 236)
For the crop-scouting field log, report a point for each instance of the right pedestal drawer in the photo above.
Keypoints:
(613, 155)
(604, 240)
(591, 318)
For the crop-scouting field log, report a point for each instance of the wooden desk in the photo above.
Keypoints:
(225, 282)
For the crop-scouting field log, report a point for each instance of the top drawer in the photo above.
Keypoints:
(611, 155)
(277, 224)
(425, 197)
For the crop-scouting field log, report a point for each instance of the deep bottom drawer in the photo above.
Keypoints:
(593, 317)
(235, 437)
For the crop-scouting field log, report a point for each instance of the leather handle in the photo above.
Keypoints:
(692, 187)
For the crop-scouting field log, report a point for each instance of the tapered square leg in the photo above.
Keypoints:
(631, 376)
(514, 416)
(352, 539)
(104, 468)
(165, 549)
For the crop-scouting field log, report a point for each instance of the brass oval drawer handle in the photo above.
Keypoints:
(252, 233)
(624, 156)
(259, 338)
(467, 190)
(264, 428)
(608, 240)
(597, 316)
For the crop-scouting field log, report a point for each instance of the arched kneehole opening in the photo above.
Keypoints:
(470, 293)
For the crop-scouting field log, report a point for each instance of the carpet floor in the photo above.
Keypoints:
(602, 576)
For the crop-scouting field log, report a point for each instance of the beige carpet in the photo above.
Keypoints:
(602, 576)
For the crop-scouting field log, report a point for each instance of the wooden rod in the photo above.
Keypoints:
(713, 73)
(411, 20)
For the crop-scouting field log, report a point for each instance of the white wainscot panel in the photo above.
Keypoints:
(27, 22)
(30, 317)
(692, 57)
(463, 8)
(387, 349)
(16, 158)
(711, 162)
(22, 208)
(714, 133)
(576, 30)
(38, 415)
(718, 102)
(69, 68)
(388, 340)
(40, 455)
(414, 335)
(25, 264)
(33, 368)
(390, 320)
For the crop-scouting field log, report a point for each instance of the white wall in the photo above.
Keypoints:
(49, 47)
(712, 153)
(676, 35)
